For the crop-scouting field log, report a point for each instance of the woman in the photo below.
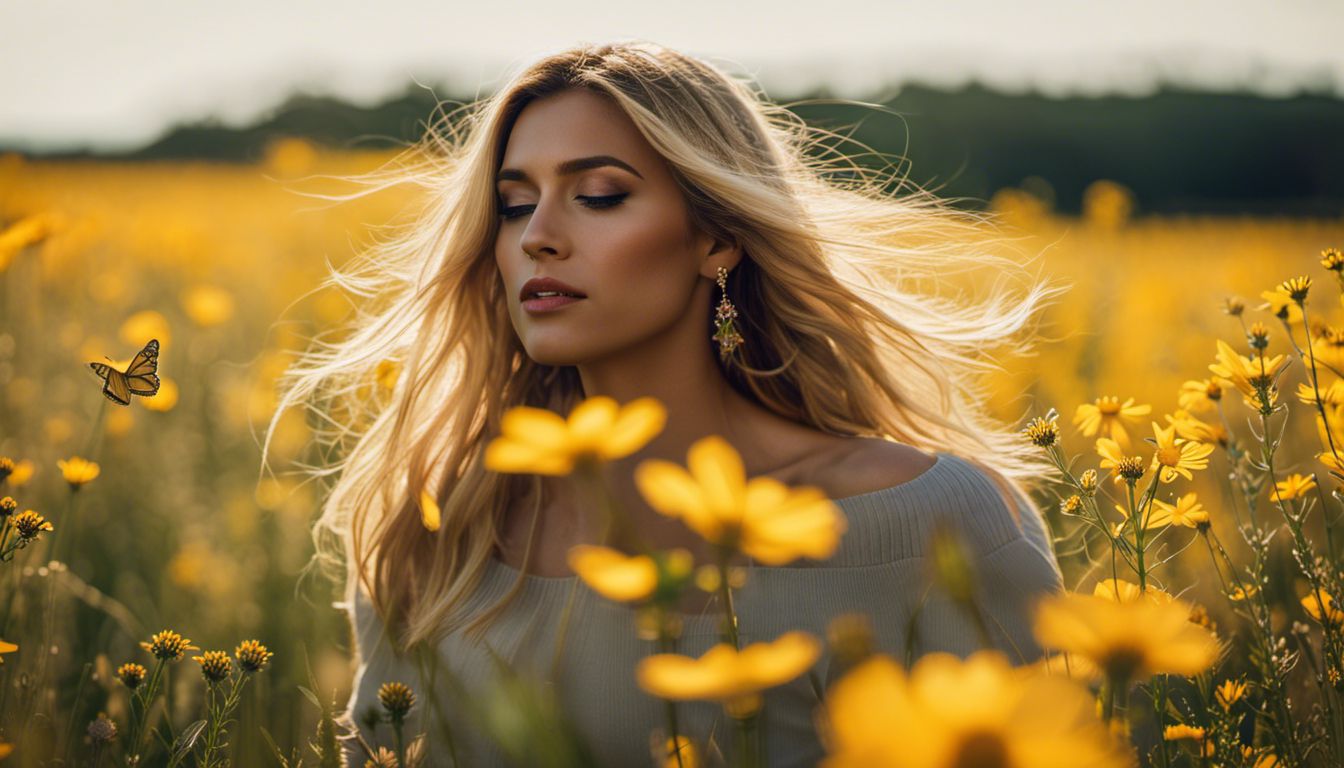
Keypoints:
(581, 228)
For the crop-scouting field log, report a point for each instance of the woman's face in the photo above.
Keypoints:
(613, 226)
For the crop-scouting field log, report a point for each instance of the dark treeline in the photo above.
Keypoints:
(1177, 150)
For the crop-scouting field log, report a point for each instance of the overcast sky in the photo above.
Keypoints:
(116, 74)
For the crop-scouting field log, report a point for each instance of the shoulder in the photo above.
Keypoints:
(851, 466)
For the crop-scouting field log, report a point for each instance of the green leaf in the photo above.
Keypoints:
(187, 740)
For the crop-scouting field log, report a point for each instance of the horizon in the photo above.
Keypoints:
(127, 97)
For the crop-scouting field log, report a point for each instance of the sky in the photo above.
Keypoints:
(115, 75)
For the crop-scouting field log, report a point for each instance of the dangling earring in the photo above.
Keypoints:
(726, 335)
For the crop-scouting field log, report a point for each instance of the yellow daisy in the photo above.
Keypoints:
(1104, 415)
(1332, 617)
(764, 518)
(598, 429)
(1246, 373)
(1199, 395)
(1176, 456)
(1229, 693)
(948, 712)
(1333, 394)
(726, 674)
(1295, 486)
(1187, 511)
(1132, 639)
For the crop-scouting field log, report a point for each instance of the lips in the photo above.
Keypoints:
(548, 285)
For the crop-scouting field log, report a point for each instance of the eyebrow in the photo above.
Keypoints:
(569, 167)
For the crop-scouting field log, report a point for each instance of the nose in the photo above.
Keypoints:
(542, 235)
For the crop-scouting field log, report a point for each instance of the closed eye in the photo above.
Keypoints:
(606, 201)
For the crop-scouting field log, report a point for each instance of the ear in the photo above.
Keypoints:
(717, 253)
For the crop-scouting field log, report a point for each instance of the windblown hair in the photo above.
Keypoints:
(836, 293)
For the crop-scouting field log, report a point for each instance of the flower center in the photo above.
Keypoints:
(1169, 456)
(981, 749)
(1109, 406)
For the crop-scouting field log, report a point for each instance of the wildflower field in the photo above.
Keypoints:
(156, 608)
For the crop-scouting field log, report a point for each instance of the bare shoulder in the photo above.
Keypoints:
(857, 465)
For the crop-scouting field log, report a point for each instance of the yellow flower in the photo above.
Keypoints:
(1104, 415)
(1187, 511)
(30, 525)
(1295, 486)
(613, 574)
(540, 441)
(1281, 305)
(168, 645)
(77, 471)
(1229, 693)
(163, 400)
(1332, 617)
(1199, 395)
(764, 518)
(22, 473)
(1176, 456)
(1246, 373)
(207, 305)
(726, 674)
(430, 514)
(1129, 639)
(948, 712)
(1332, 395)
(1239, 593)
(1112, 455)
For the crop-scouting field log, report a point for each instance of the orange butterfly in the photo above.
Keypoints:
(139, 378)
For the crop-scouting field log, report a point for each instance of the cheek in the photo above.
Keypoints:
(643, 270)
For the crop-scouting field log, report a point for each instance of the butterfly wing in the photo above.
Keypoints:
(101, 369)
(117, 388)
(146, 384)
(146, 361)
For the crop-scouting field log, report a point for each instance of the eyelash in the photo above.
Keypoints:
(597, 203)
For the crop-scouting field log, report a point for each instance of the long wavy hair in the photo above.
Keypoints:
(836, 296)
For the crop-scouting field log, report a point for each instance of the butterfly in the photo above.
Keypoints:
(139, 378)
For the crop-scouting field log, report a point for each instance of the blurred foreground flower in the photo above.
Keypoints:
(1129, 639)
(764, 518)
(598, 429)
(613, 574)
(725, 674)
(950, 713)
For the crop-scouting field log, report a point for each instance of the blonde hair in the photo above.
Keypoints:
(841, 336)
